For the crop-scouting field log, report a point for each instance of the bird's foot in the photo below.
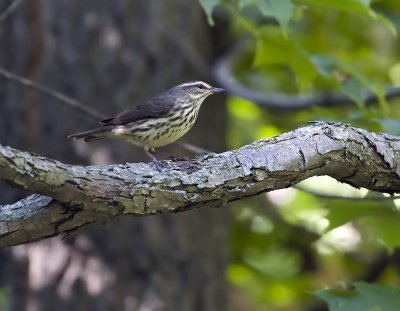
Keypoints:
(155, 161)
(157, 164)
(179, 159)
(187, 166)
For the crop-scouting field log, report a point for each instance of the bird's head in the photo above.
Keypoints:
(197, 90)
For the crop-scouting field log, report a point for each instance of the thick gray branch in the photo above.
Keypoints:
(75, 196)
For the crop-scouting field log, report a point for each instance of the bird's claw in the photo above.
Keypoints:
(157, 163)
(179, 159)
(187, 166)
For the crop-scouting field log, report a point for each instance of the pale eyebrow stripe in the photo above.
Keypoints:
(195, 83)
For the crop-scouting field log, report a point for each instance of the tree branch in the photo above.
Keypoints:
(324, 195)
(75, 196)
(8, 11)
(225, 76)
(46, 91)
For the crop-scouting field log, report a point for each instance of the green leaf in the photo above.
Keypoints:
(281, 10)
(354, 85)
(362, 7)
(380, 218)
(240, 275)
(353, 89)
(388, 23)
(208, 7)
(243, 109)
(385, 227)
(277, 263)
(273, 48)
(341, 212)
(365, 297)
(244, 3)
(388, 125)
(325, 64)
(351, 6)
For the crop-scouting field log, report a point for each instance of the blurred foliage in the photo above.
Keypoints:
(288, 244)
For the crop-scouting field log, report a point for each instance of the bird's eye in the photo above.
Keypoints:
(201, 86)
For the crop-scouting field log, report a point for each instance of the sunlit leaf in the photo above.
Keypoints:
(365, 297)
(239, 274)
(274, 49)
(243, 109)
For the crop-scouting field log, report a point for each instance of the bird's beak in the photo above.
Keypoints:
(217, 90)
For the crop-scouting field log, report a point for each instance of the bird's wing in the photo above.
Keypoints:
(155, 107)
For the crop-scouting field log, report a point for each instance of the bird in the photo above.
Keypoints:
(158, 122)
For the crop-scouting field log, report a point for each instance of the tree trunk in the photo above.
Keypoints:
(109, 55)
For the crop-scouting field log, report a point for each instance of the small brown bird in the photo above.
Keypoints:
(159, 122)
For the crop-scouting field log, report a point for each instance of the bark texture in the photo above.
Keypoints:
(75, 196)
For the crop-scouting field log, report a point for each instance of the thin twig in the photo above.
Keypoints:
(11, 8)
(41, 89)
(338, 197)
(224, 74)
(74, 103)
(192, 148)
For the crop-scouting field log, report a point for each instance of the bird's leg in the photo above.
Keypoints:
(167, 155)
(153, 158)
(183, 163)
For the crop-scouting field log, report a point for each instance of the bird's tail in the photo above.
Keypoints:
(92, 135)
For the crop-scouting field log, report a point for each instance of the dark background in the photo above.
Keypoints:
(110, 55)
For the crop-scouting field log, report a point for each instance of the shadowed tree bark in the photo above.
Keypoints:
(109, 55)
